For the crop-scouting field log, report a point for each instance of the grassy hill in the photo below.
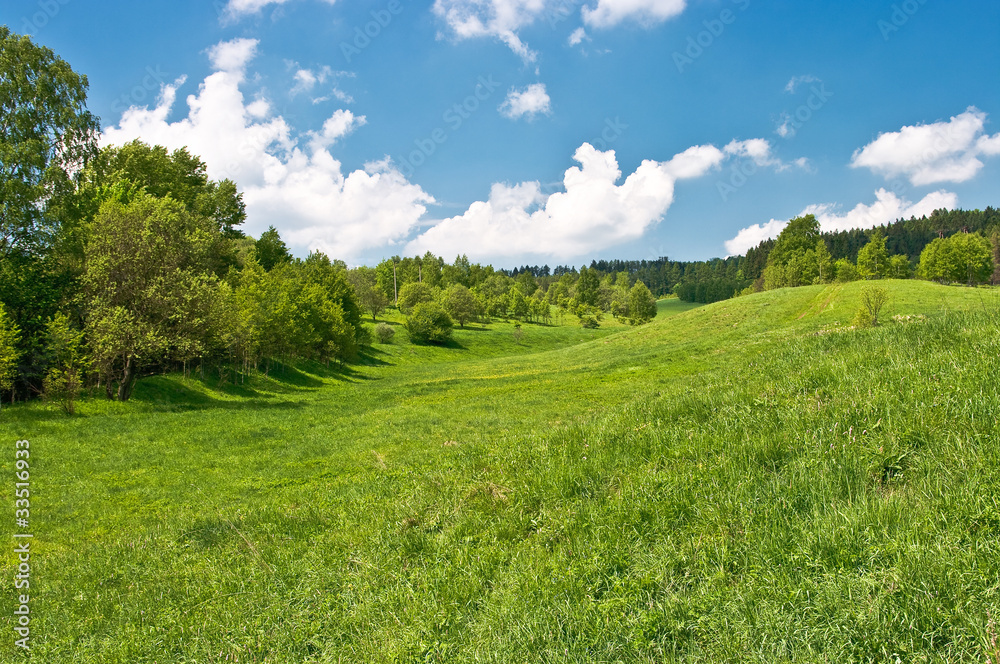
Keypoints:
(747, 481)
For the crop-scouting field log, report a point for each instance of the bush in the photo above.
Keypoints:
(384, 333)
(873, 298)
(429, 323)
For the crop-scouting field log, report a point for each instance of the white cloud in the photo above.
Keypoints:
(609, 13)
(593, 212)
(751, 236)
(500, 19)
(531, 101)
(302, 191)
(578, 36)
(307, 79)
(887, 208)
(238, 8)
(927, 154)
(796, 81)
(233, 56)
(759, 151)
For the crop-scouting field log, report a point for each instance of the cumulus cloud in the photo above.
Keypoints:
(530, 102)
(302, 190)
(233, 56)
(592, 212)
(887, 208)
(609, 13)
(500, 19)
(928, 154)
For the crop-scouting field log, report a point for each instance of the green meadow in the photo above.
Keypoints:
(748, 481)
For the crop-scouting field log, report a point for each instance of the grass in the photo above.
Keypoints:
(746, 481)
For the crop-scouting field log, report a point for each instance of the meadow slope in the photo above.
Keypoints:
(747, 481)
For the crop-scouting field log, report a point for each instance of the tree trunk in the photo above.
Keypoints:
(128, 380)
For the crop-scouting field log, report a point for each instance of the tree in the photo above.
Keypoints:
(364, 280)
(412, 294)
(587, 286)
(429, 323)
(824, 262)
(899, 267)
(9, 336)
(271, 249)
(873, 258)
(961, 258)
(460, 304)
(845, 270)
(148, 287)
(517, 305)
(65, 377)
(46, 134)
(799, 235)
(641, 304)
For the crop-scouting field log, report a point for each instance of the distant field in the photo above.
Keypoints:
(745, 481)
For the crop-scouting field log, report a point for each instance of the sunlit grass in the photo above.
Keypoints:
(746, 481)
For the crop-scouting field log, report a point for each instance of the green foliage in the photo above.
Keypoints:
(10, 335)
(64, 380)
(873, 299)
(587, 287)
(590, 317)
(429, 323)
(899, 267)
(824, 263)
(414, 293)
(271, 249)
(846, 271)
(149, 290)
(459, 302)
(370, 295)
(873, 258)
(641, 305)
(384, 333)
(799, 236)
(46, 134)
(961, 258)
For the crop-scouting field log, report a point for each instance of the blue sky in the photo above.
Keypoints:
(541, 131)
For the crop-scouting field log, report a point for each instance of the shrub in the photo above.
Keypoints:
(384, 333)
(429, 323)
(873, 298)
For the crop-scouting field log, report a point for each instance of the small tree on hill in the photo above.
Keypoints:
(460, 304)
(873, 258)
(429, 323)
(641, 304)
(412, 294)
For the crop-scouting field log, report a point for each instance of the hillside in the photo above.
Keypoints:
(746, 481)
